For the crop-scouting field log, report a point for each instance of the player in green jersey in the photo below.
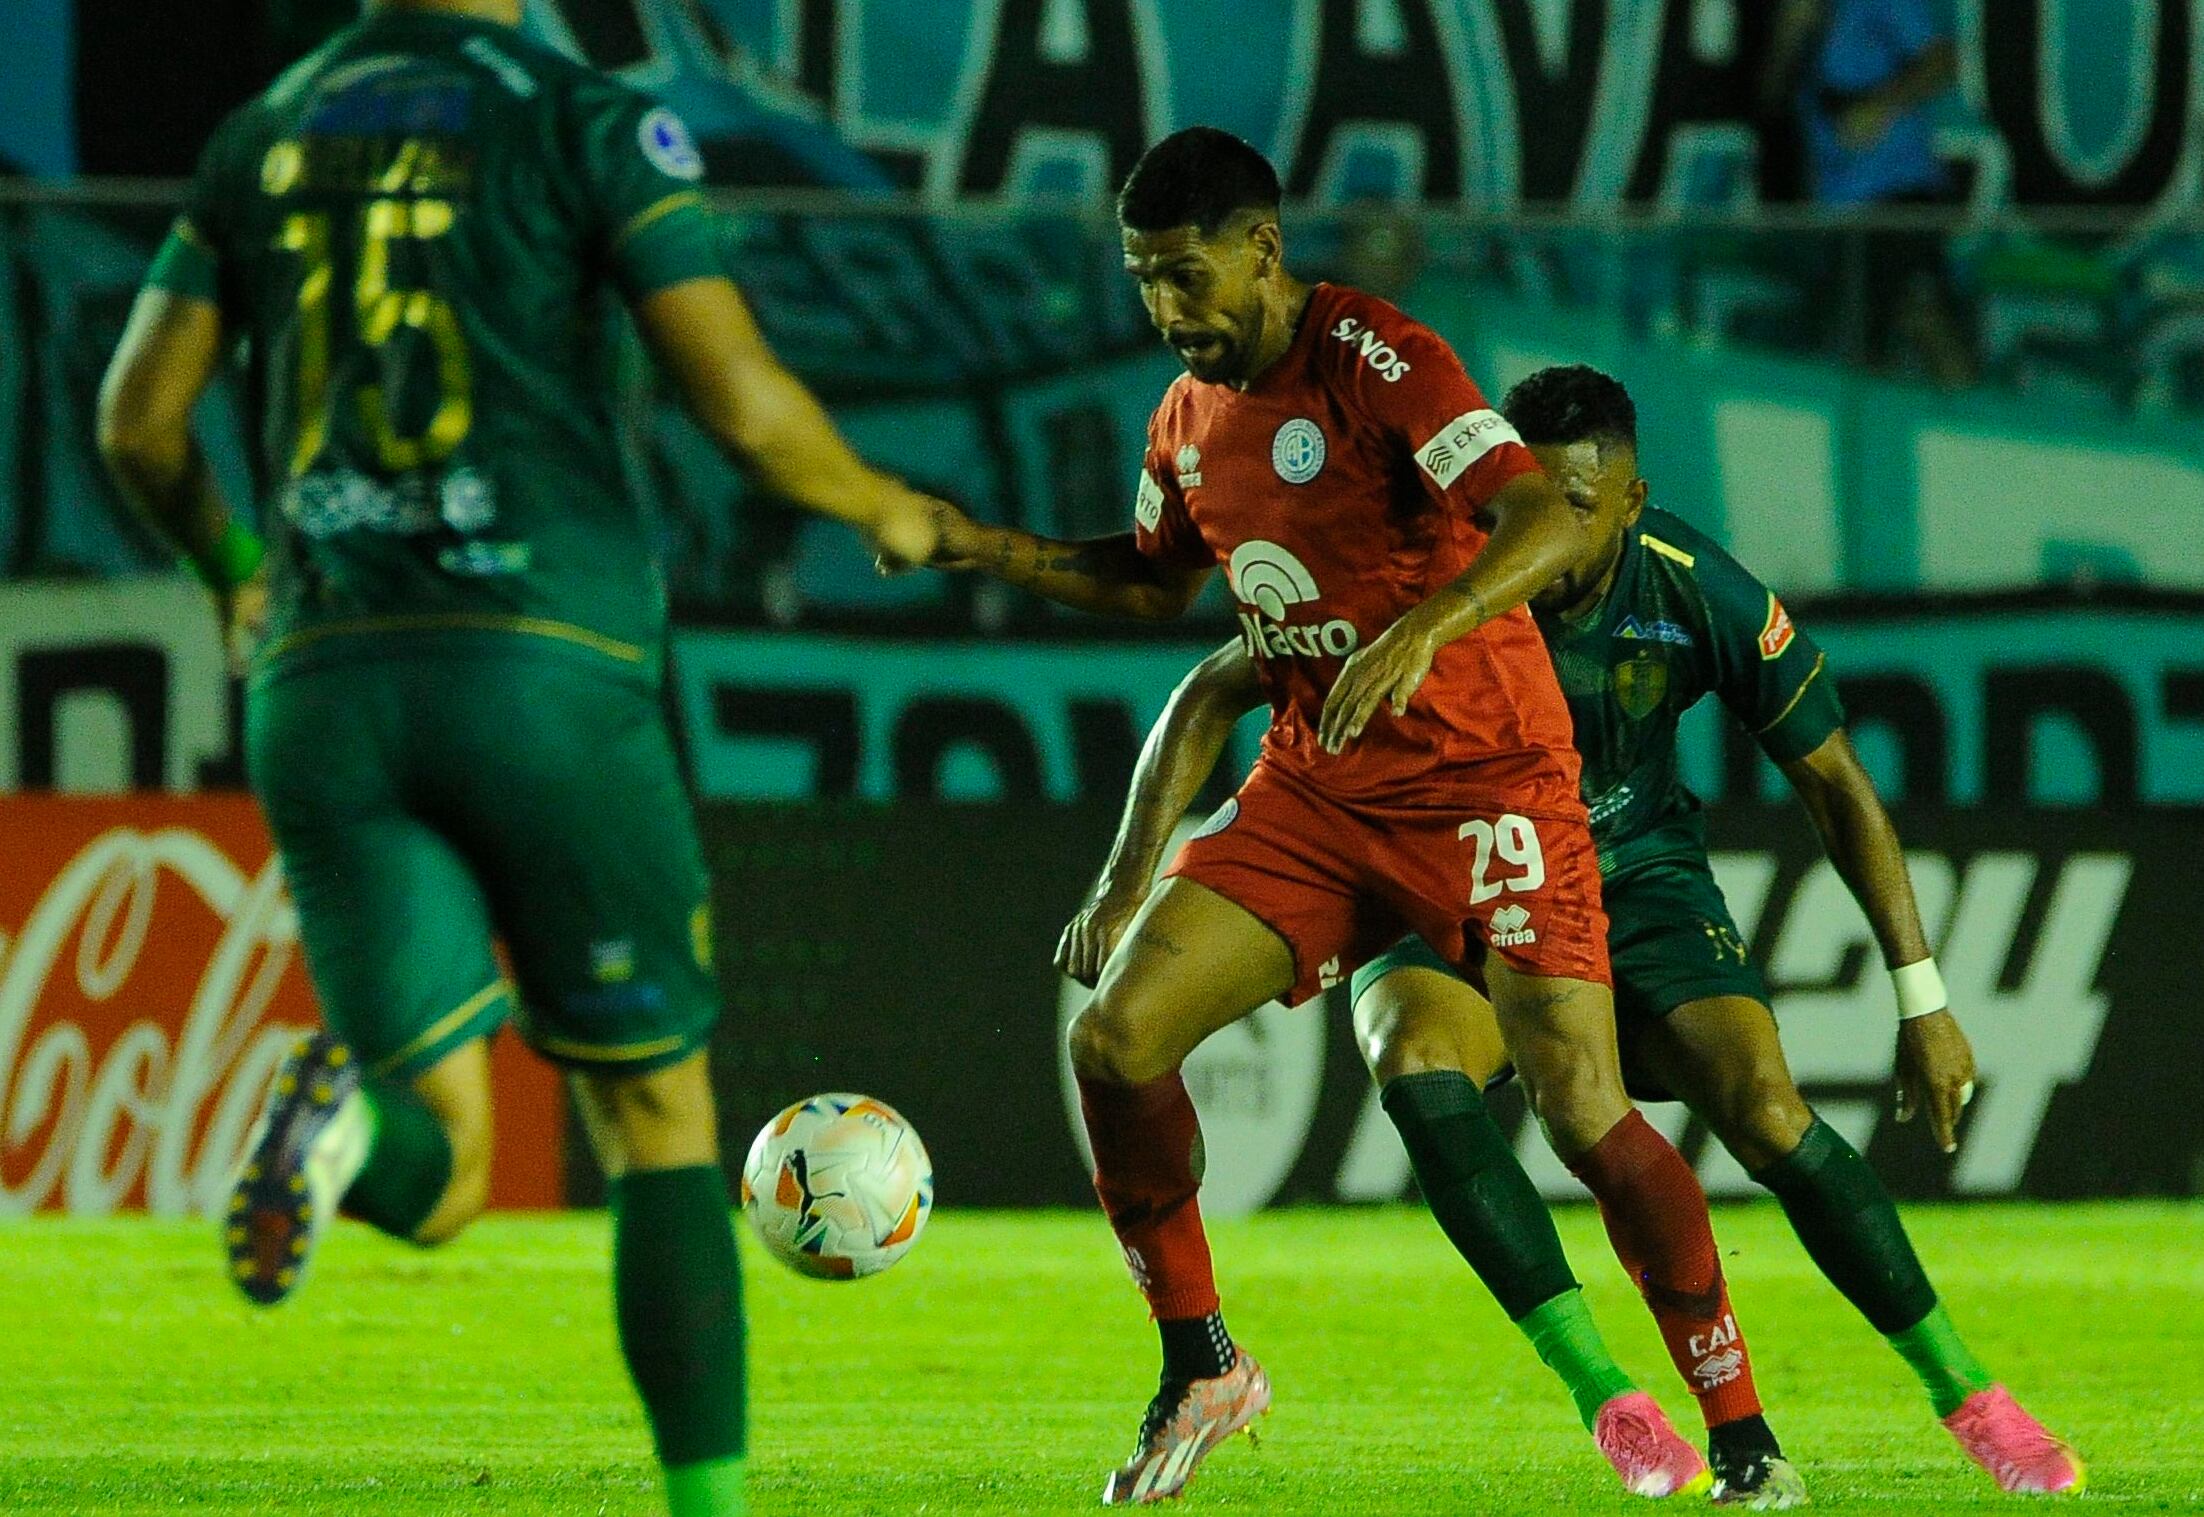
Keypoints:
(421, 236)
(1653, 619)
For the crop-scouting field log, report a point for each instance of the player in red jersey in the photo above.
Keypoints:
(1381, 529)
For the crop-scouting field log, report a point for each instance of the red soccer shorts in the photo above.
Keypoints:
(1342, 883)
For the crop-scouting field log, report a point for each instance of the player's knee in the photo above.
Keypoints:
(1410, 1050)
(1107, 1046)
(661, 1119)
(1577, 1106)
(1764, 1116)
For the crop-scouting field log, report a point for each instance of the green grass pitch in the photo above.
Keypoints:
(1002, 1367)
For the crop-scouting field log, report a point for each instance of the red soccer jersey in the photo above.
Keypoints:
(1337, 491)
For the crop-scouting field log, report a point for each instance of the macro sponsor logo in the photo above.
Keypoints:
(1272, 581)
(1382, 357)
(1461, 442)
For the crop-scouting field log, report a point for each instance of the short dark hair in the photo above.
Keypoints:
(1572, 403)
(1200, 177)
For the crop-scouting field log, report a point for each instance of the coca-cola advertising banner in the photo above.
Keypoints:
(905, 951)
(150, 981)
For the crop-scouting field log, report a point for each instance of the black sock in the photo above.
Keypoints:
(1195, 1348)
(1484, 1203)
(1842, 1214)
(1742, 1439)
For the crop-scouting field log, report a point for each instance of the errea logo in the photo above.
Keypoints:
(1189, 466)
(1511, 927)
(1272, 581)
(1382, 357)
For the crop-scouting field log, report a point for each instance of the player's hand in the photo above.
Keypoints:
(908, 533)
(243, 614)
(1093, 934)
(1935, 1074)
(1386, 672)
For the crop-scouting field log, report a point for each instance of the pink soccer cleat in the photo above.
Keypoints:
(2018, 1451)
(1633, 1432)
(1183, 1426)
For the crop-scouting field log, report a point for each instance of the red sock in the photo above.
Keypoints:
(1143, 1138)
(1656, 1218)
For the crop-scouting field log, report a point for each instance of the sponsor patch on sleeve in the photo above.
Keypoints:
(1461, 442)
(1148, 502)
(1776, 633)
(668, 145)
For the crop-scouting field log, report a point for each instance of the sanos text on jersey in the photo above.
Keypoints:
(1382, 357)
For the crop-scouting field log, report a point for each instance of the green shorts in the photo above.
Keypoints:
(435, 800)
(1670, 940)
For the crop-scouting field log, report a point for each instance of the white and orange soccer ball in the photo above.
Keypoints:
(838, 1186)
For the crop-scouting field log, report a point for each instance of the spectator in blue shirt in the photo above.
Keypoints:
(1864, 75)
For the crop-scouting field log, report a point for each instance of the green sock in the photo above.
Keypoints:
(677, 1290)
(1484, 1203)
(1948, 1372)
(710, 1489)
(1492, 1214)
(1842, 1214)
(409, 1162)
(1568, 1342)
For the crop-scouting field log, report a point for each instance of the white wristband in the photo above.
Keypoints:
(1920, 990)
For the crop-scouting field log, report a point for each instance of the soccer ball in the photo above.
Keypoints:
(838, 1186)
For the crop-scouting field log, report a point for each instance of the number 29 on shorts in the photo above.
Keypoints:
(1514, 841)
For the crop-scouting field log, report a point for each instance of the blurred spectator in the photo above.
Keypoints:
(1863, 75)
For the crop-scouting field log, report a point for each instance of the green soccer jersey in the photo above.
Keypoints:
(421, 233)
(1682, 619)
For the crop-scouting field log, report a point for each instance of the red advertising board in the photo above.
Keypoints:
(150, 980)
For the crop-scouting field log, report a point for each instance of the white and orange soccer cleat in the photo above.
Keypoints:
(1634, 1433)
(2020, 1453)
(1182, 1426)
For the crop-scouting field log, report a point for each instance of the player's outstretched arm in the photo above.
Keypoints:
(1935, 1063)
(1536, 536)
(1109, 576)
(169, 352)
(1181, 751)
(746, 398)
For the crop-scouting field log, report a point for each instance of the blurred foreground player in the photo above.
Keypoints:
(1381, 528)
(420, 234)
(1655, 618)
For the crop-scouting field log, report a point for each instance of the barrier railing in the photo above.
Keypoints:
(996, 352)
